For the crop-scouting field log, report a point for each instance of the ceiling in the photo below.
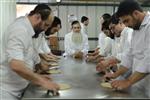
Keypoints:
(143, 2)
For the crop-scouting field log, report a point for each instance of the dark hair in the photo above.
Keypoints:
(75, 22)
(114, 19)
(105, 25)
(111, 35)
(84, 18)
(106, 16)
(56, 22)
(127, 7)
(42, 9)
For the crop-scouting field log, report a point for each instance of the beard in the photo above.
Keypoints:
(48, 32)
(77, 38)
(137, 26)
(37, 32)
(117, 35)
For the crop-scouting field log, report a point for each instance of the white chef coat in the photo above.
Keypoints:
(105, 44)
(116, 46)
(101, 38)
(18, 45)
(124, 42)
(121, 45)
(71, 48)
(83, 29)
(138, 56)
(41, 44)
(106, 47)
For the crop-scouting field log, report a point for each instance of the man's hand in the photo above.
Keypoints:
(47, 84)
(110, 76)
(47, 77)
(100, 58)
(20, 68)
(102, 65)
(121, 84)
(113, 60)
(97, 49)
(96, 52)
(90, 58)
(42, 67)
(54, 56)
(47, 57)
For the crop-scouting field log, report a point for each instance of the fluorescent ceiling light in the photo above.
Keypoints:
(58, 0)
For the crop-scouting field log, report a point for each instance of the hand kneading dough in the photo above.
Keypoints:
(54, 71)
(106, 85)
(64, 86)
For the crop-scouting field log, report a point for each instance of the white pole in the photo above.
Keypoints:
(7, 16)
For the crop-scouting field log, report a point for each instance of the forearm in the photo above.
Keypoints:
(121, 71)
(97, 56)
(26, 73)
(136, 76)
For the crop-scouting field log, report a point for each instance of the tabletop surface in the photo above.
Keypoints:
(84, 81)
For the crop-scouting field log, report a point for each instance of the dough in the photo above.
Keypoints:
(106, 85)
(64, 86)
(54, 71)
(53, 64)
(54, 67)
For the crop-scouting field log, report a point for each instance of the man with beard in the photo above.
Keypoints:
(138, 55)
(20, 57)
(76, 43)
(41, 43)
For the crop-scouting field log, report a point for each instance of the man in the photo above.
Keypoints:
(76, 43)
(41, 42)
(120, 45)
(105, 47)
(138, 56)
(103, 18)
(84, 24)
(18, 64)
(104, 41)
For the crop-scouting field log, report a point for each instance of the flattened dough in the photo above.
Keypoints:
(106, 85)
(54, 71)
(64, 86)
(54, 64)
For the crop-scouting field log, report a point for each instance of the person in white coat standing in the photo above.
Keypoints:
(17, 68)
(76, 43)
(138, 56)
(84, 24)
